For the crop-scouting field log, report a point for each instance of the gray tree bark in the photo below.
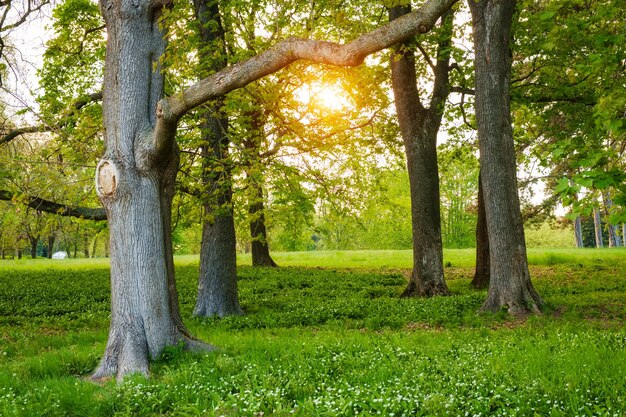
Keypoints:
(135, 182)
(614, 240)
(510, 286)
(419, 126)
(623, 234)
(578, 232)
(482, 273)
(217, 283)
(135, 178)
(597, 228)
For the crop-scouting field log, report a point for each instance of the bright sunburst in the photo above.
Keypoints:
(326, 97)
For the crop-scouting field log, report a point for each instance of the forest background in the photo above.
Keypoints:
(324, 167)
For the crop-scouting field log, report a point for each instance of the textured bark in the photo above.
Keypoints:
(510, 286)
(217, 283)
(482, 273)
(419, 126)
(135, 182)
(578, 232)
(624, 234)
(597, 228)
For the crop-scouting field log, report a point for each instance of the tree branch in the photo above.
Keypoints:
(78, 104)
(293, 49)
(462, 90)
(38, 203)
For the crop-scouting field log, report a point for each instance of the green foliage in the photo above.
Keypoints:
(549, 235)
(326, 342)
(569, 98)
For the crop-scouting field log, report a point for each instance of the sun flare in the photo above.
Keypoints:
(328, 97)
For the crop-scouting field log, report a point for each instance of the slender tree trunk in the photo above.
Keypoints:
(510, 286)
(578, 232)
(34, 241)
(624, 234)
(94, 246)
(482, 273)
(419, 126)
(256, 202)
(86, 247)
(612, 229)
(597, 227)
(135, 182)
(51, 240)
(217, 284)
(259, 248)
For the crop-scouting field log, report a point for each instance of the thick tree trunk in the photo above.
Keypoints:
(578, 232)
(597, 228)
(217, 283)
(482, 273)
(510, 286)
(419, 127)
(135, 181)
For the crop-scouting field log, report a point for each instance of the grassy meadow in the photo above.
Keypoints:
(327, 335)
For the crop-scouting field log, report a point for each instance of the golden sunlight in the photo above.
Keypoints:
(326, 97)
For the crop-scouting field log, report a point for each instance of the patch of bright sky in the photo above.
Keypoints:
(27, 47)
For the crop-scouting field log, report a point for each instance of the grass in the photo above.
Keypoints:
(332, 341)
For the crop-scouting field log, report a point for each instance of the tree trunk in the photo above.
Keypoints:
(51, 240)
(134, 181)
(34, 241)
(217, 283)
(624, 234)
(419, 126)
(260, 249)
(256, 206)
(510, 286)
(481, 274)
(86, 247)
(597, 227)
(614, 240)
(578, 232)
(94, 246)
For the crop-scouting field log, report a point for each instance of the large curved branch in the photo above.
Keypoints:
(286, 52)
(77, 105)
(38, 203)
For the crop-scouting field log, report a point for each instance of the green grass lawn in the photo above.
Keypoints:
(327, 335)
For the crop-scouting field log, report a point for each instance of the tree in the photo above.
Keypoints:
(217, 282)
(510, 286)
(135, 178)
(419, 126)
(482, 274)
